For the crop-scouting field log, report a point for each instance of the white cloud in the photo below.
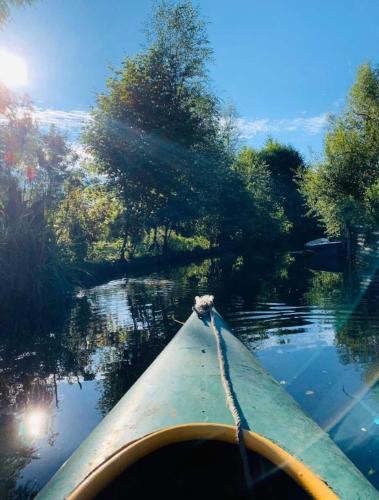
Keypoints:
(70, 120)
(74, 120)
(311, 125)
(339, 103)
(250, 128)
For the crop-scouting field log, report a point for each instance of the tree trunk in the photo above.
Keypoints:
(132, 251)
(155, 240)
(165, 240)
(123, 247)
(350, 241)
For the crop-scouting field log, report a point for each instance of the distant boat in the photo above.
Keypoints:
(325, 247)
(173, 434)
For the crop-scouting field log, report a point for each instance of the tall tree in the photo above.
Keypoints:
(342, 190)
(155, 133)
(286, 164)
(33, 164)
(265, 219)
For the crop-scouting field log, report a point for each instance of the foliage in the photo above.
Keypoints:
(162, 139)
(85, 219)
(267, 219)
(154, 133)
(5, 7)
(272, 174)
(285, 165)
(33, 166)
(342, 190)
(167, 164)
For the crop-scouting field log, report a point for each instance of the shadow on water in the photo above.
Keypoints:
(316, 331)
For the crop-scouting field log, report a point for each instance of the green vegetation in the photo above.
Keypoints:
(166, 145)
(85, 222)
(32, 172)
(164, 178)
(271, 176)
(156, 133)
(165, 173)
(286, 165)
(342, 191)
(5, 6)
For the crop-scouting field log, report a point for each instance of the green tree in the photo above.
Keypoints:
(286, 164)
(262, 217)
(85, 220)
(342, 190)
(156, 132)
(33, 165)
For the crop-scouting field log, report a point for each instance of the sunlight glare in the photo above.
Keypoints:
(13, 70)
(35, 422)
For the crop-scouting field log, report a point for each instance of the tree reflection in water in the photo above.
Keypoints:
(63, 369)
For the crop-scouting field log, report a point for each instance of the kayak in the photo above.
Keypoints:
(173, 434)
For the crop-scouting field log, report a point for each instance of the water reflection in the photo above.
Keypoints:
(316, 331)
(34, 424)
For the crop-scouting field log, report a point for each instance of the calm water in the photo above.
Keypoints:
(317, 332)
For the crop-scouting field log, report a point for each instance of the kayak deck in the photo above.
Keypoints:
(182, 391)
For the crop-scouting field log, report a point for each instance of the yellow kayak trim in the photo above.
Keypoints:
(130, 453)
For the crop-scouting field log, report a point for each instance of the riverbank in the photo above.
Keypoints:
(93, 273)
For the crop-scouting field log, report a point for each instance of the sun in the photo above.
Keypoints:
(13, 70)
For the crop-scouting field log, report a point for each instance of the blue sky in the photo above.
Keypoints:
(284, 64)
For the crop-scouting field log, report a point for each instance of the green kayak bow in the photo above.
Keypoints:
(181, 399)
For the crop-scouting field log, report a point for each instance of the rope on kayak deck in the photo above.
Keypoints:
(203, 306)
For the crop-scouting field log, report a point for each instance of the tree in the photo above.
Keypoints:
(5, 7)
(155, 133)
(341, 190)
(33, 165)
(264, 218)
(85, 218)
(286, 164)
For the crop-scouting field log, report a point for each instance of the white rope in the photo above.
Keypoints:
(204, 305)
(231, 402)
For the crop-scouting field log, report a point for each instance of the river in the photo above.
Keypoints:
(315, 331)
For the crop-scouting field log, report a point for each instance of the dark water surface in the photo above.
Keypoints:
(316, 332)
